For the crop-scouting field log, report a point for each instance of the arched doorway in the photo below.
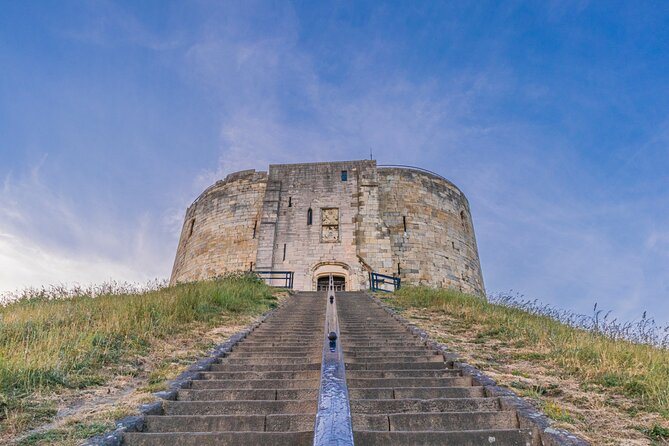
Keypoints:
(323, 283)
(340, 274)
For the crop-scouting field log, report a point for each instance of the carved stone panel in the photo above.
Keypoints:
(330, 225)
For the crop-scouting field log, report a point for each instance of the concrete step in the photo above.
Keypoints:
(377, 406)
(240, 407)
(416, 392)
(234, 423)
(395, 359)
(394, 365)
(366, 337)
(260, 368)
(369, 352)
(511, 437)
(264, 349)
(268, 360)
(275, 346)
(219, 439)
(313, 355)
(256, 383)
(246, 394)
(349, 345)
(452, 421)
(258, 374)
(450, 381)
(440, 373)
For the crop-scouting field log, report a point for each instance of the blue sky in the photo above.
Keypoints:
(552, 116)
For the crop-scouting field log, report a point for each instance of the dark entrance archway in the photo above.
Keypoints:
(338, 281)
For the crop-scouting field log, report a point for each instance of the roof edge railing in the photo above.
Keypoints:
(403, 166)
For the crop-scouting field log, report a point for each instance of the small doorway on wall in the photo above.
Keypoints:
(339, 283)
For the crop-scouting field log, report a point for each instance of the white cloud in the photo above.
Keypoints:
(25, 264)
(48, 238)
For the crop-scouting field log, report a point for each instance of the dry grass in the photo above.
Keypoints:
(69, 350)
(612, 391)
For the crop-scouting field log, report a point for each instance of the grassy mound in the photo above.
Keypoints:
(48, 344)
(636, 370)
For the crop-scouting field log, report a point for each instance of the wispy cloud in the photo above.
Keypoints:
(50, 238)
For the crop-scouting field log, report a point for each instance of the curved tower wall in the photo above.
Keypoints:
(218, 231)
(438, 247)
(393, 221)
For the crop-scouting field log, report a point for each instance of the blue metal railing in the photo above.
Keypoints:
(277, 279)
(333, 425)
(379, 282)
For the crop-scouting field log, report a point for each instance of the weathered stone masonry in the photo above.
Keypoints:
(341, 218)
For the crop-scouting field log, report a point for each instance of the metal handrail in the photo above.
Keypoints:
(333, 421)
(376, 280)
(270, 276)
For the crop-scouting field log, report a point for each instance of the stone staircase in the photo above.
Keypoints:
(264, 392)
(402, 393)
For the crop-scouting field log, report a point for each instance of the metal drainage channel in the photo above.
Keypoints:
(333, 420)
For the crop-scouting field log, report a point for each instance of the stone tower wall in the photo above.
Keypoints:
(315, 186)
(222, 220)
(257, 219)
(439, 246)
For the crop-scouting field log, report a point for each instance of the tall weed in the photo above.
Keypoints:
(632, 359)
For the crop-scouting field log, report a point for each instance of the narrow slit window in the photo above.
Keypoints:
(290, 202)
(190, 230)
(344, 175)
(251, 266)
(404, 222)
(284, 252)
(463, 218)
(255, 228)
(310, 217)
(399, 270)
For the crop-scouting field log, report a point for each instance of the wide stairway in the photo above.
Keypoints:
(402, 393)
(264, 392)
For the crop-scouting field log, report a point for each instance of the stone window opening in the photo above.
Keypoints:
(404, 222)
(284, 252)
(344, 175)
(399, 269)
(310, 217)
(192, 226)
(255, 228)
(251, 266)
(463, 219)
(290, 202)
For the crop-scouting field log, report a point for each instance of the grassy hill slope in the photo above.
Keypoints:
(52, 349)
(612, 391)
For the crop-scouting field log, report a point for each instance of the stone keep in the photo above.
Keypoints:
(341, 218)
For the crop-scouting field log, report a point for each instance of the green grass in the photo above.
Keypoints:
(638, 371)
(78, 431)
(50, 344)
(656, 432)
